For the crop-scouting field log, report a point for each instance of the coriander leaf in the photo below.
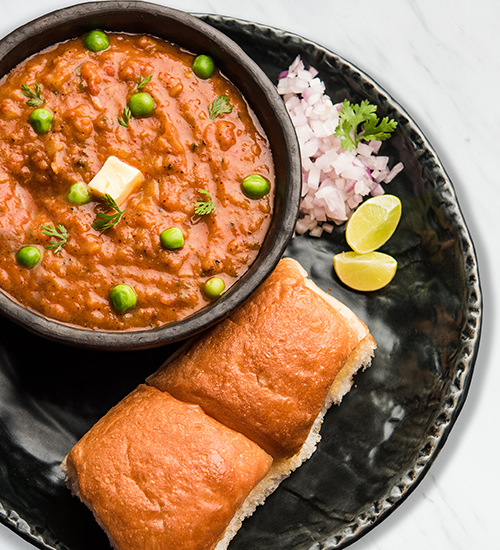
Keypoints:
(219, 107)
(60, 233)
(203, 208)
(143, 82)
(379, 131)
(126, 117)
(35, 99)
(105, 221)
(343, 131)
(352, 116)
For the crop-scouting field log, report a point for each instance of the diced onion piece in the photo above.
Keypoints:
(395, 170)
(316, 232)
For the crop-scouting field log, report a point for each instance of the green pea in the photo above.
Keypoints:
(41, 120)
(79, 193)
(28, 256)
(123, 297)
(214, 287)
(96, 41)
(172, 238)
(255, 186)
(141, 104)
(203, 67)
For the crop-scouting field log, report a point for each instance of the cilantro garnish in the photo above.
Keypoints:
(143, 82)
(105, 221)
(126, 117)
(219, 107)
(203, 208)
(352, 116)
(60, 233)
(35, 99)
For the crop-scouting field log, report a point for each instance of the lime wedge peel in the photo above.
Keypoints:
(373, 223)
(365, 272)
(371, 226)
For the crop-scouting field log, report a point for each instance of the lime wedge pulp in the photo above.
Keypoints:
(365, 272)
(373, 223)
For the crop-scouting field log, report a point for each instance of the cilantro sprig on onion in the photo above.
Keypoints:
(334, 180)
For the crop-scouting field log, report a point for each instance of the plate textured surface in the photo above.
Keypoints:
(375, 447)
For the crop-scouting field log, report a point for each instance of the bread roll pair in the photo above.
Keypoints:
(181, 461)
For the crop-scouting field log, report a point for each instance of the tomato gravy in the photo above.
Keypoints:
(179, 150)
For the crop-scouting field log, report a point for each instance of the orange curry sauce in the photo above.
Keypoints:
(179, 151)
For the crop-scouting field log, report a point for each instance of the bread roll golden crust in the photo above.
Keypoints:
(160, 474)
(267, 369)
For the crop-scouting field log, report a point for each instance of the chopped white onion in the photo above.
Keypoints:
(334, 181)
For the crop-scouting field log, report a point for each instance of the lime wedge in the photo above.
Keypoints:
(373, 223)
(365, 272)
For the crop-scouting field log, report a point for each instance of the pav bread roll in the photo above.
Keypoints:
(160, 474)
(186, 457)
(267, 370)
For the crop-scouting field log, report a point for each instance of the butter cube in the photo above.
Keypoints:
(116, 179)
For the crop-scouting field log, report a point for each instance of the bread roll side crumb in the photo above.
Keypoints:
(359, 359)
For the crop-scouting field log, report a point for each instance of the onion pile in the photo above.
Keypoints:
(334, 181)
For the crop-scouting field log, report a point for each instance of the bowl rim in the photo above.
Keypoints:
(89, 15)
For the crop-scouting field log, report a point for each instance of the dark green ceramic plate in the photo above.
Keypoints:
(376, 446)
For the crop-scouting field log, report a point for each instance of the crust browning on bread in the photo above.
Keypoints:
(159, 473)
(360, 358)
(267, 369)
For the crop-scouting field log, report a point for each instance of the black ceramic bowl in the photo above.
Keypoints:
(198, 37)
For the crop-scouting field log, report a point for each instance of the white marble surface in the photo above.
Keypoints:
(439, 59)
